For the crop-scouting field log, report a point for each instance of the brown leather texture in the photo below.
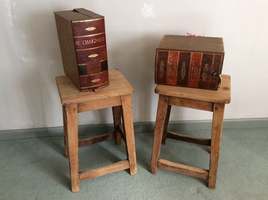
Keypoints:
(91, 41)
(88, 27)
(90, 81)
(86, 55)
(83, 45)
(184, 64)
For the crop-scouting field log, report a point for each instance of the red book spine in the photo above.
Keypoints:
(172, 65)
(206, 66)
(161, 60)
(183, 68)
(194, 69)
(215, 71)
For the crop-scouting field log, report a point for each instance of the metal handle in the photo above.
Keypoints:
(95, 80)
(93, 55)
(92, 28)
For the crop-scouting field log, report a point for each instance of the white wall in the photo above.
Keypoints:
(30, 56)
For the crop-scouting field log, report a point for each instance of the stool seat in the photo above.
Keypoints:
(69, 93)
(222, 95)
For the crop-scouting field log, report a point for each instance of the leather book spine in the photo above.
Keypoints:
(205, 77)
(183, 68)
(194, 69)
(161, 66)
(215, 71)
(172, 65)
(91, 53)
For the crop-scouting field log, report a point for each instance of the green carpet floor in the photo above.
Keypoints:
(35, 169)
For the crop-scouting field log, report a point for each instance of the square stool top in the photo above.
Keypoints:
(69, 93)
(222, 95)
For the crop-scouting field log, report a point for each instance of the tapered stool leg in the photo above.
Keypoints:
(65, 132)
(216, 131)
(129, 132)
(166, 125)
(117, 115)
(158, 131)
(72, 131)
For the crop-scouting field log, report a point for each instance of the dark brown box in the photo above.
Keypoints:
(82, 41)
(189, 61)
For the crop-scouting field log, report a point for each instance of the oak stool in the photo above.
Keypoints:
(118, 96)
(208, 100)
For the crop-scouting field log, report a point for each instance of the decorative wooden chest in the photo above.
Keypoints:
(189, 61)
(83, 46)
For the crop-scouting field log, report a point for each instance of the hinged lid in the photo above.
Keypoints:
(192, 43)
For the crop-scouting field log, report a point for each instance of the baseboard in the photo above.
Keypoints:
(140, 127)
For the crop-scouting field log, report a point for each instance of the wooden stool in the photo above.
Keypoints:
(207, 100)
(118, 96)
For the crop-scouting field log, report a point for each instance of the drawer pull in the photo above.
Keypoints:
(93, 55)
(96, 80)
(92, 28)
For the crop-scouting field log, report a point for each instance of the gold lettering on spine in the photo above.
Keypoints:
(87, 42)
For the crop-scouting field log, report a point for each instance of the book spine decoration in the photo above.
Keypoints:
(183, 68)
(172, 67)
(194, 69)
(161, 66)
(91, 53)
(188, 69)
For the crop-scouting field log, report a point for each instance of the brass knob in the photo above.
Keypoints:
(95, 80)
(92, 28)
(93, 55)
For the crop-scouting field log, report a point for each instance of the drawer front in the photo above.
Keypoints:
(84, 56)
(93, 67)
(98, 78)
(95, 80)
(90, 41)
(88, 27)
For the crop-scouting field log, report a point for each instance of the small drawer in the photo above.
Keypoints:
(94, 80)
(96, 66)
(88, 27)
(98, 78)
(93, 67)
(84, 56)
(90, 41)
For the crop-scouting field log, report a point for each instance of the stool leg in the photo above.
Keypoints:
(65, 132)
(166, 125)
(72, 131)
(158, 131)
(216, 133)
(117, 114)
(129, 133)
